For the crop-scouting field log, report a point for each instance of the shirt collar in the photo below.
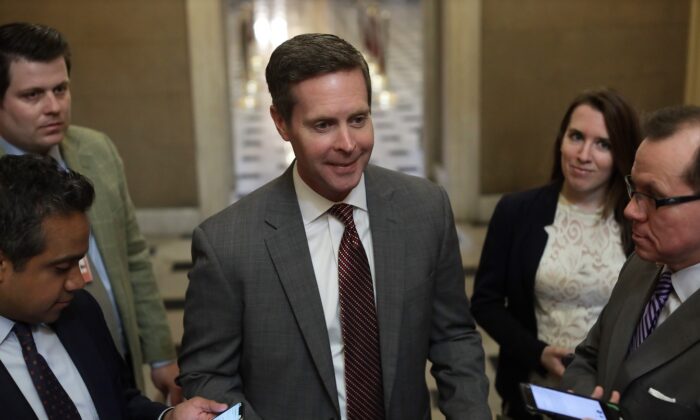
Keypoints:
(686, 281)
(11, 149)
(313, 205)
(6, 326)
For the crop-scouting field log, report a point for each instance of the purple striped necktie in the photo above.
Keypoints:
(54, 398)
(358, 321)
(650, 317)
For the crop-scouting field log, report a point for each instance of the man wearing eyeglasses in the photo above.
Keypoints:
(644, 350)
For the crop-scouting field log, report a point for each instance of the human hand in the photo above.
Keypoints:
(196, 408)
(598, 392)
(551, 360)
(163, 378)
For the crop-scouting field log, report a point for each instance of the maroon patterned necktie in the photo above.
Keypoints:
(56, 401)
(358, 321)
(650, 317)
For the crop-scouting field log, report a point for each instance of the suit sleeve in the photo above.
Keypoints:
(210, 358)
(456, 352)
(580, 376)
(154, 332)
(491, 288)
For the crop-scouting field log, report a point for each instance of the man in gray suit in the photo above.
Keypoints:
(644, 350)
(304, 316)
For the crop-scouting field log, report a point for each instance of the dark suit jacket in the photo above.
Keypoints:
(83, 332)
(668, 361)
(254, 325)
(504, 300)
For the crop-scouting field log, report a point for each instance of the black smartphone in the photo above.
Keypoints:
(565, 405)
(235, 412)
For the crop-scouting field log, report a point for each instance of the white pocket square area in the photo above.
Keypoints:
(656, 394)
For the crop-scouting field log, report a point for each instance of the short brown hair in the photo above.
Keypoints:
(306, 56)
(30, 42)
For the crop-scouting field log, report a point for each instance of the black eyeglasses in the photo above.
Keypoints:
(640, 197)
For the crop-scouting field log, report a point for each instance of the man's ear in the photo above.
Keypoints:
(280, 123)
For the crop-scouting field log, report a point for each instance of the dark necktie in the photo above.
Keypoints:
(650, 317)
(358, 321)
(56, 401)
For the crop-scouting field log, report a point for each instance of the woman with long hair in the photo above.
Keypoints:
(552, 254)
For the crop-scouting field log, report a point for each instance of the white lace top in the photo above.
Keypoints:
(577, 272)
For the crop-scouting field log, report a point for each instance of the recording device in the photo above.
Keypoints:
(565, 405)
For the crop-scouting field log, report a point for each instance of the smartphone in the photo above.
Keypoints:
(235, 412)
(565, 405)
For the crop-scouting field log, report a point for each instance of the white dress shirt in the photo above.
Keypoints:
(685, 283)
(50, 347)
(323, 234)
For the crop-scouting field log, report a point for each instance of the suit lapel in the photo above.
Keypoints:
(86, 165)
(535, 239)
(389, 256)
(88, 360)
(13, 402)
(289, 250)
(100, 210)
(108, 231)
(628, 317)
(678, 332)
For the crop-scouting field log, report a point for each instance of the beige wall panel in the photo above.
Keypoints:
(538, 54)
(131, 80)
(210, 101)
(692, 86)
(461, 49)
(432, 84)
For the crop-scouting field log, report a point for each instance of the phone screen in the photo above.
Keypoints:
(235, 412)
(566, 404)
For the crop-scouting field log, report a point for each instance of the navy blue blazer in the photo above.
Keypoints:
(83, 332)
(504, 298)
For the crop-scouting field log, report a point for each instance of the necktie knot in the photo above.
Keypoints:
(343, 212)
(22, 330)
(24, 335)
(664, 286)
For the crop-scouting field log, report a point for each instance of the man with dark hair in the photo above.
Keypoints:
(644, 350)
(322, 294)
(297, 60)
(35, 112)
(58, 359)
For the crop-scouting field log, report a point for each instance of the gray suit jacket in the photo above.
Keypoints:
(254, 326)
(668, 361)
